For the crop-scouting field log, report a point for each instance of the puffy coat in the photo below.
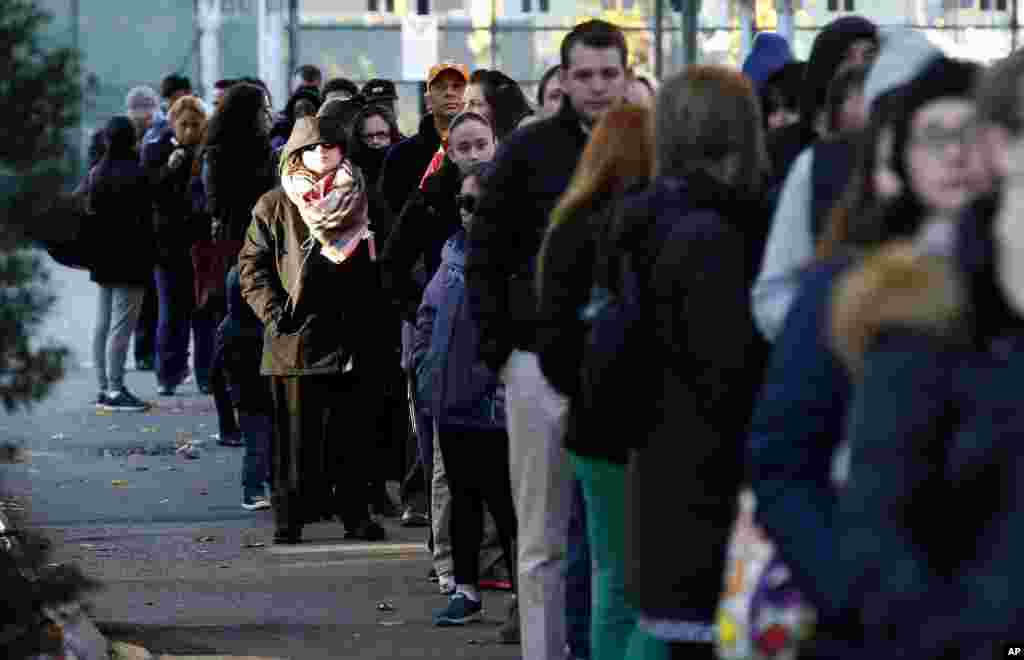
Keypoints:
(459, 388)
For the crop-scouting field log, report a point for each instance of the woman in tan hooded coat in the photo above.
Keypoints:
(308, 272)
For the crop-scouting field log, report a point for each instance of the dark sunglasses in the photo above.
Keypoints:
(326, 145)
(466, 202)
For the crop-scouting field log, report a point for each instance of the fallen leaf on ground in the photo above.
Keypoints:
(149, 429)
(104, 413)
(119, 483)
(206, 539)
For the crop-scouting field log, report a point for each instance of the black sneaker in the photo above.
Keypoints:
(102, 399)
(367, 531)
(413, 518)
(125, 401)
(509, 631)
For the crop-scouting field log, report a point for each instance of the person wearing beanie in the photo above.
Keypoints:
(768, 55)
(803, 203)
(932, 359)
(845, 42)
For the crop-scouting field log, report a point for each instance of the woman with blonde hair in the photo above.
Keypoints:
(619, 159)
(696, 237)
(179, 221)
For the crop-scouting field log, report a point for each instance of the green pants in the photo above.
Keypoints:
(612, 620)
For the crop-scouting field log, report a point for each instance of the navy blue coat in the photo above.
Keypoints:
(931, 518)
(796, 428)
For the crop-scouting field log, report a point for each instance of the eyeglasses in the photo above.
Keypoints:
(937, 139)
(467, 203)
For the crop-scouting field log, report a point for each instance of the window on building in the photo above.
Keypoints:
(375, 5)
(543, 6)
(847, 5)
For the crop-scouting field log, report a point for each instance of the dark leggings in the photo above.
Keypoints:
(476, 463)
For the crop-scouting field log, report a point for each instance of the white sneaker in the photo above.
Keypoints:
(257, 503)
(446, 584)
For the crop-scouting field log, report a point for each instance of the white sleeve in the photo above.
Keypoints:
(790, 247)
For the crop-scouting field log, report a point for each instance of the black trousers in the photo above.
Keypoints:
(322, 449)
(476, 463)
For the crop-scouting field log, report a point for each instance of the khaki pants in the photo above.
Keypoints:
(542, 487)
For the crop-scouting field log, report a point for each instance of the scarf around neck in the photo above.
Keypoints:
(334, 208)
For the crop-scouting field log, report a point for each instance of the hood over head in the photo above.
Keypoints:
(306, 133)
(768, 55)
(827, 53)
(903, 55)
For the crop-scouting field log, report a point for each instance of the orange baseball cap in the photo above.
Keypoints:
(438, 69)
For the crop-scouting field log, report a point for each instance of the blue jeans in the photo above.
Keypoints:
(578, 572)
(177, 318)
(257, 429)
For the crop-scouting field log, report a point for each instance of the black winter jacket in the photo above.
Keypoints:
(428, 220)
(532, 169)
(123, 202)
(705, 354)
(177, 223)
(406, 162)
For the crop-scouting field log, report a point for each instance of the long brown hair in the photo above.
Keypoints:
(705, 115)
(620, 151)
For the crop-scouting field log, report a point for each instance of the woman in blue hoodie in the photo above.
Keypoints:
(468, 402)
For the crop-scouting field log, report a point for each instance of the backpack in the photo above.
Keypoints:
(74, 246)
(618, 330)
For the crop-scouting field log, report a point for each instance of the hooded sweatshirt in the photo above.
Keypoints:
(827, 53)
(904, 54)
(769, 54)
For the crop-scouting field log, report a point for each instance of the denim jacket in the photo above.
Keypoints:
(453, 383)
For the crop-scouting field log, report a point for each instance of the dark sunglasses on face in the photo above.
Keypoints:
(327, 146)
(466, 203)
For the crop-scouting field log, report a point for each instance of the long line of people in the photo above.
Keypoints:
(798, 285)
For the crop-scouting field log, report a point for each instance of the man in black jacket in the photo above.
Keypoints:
(532, 169)
(407, 161)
